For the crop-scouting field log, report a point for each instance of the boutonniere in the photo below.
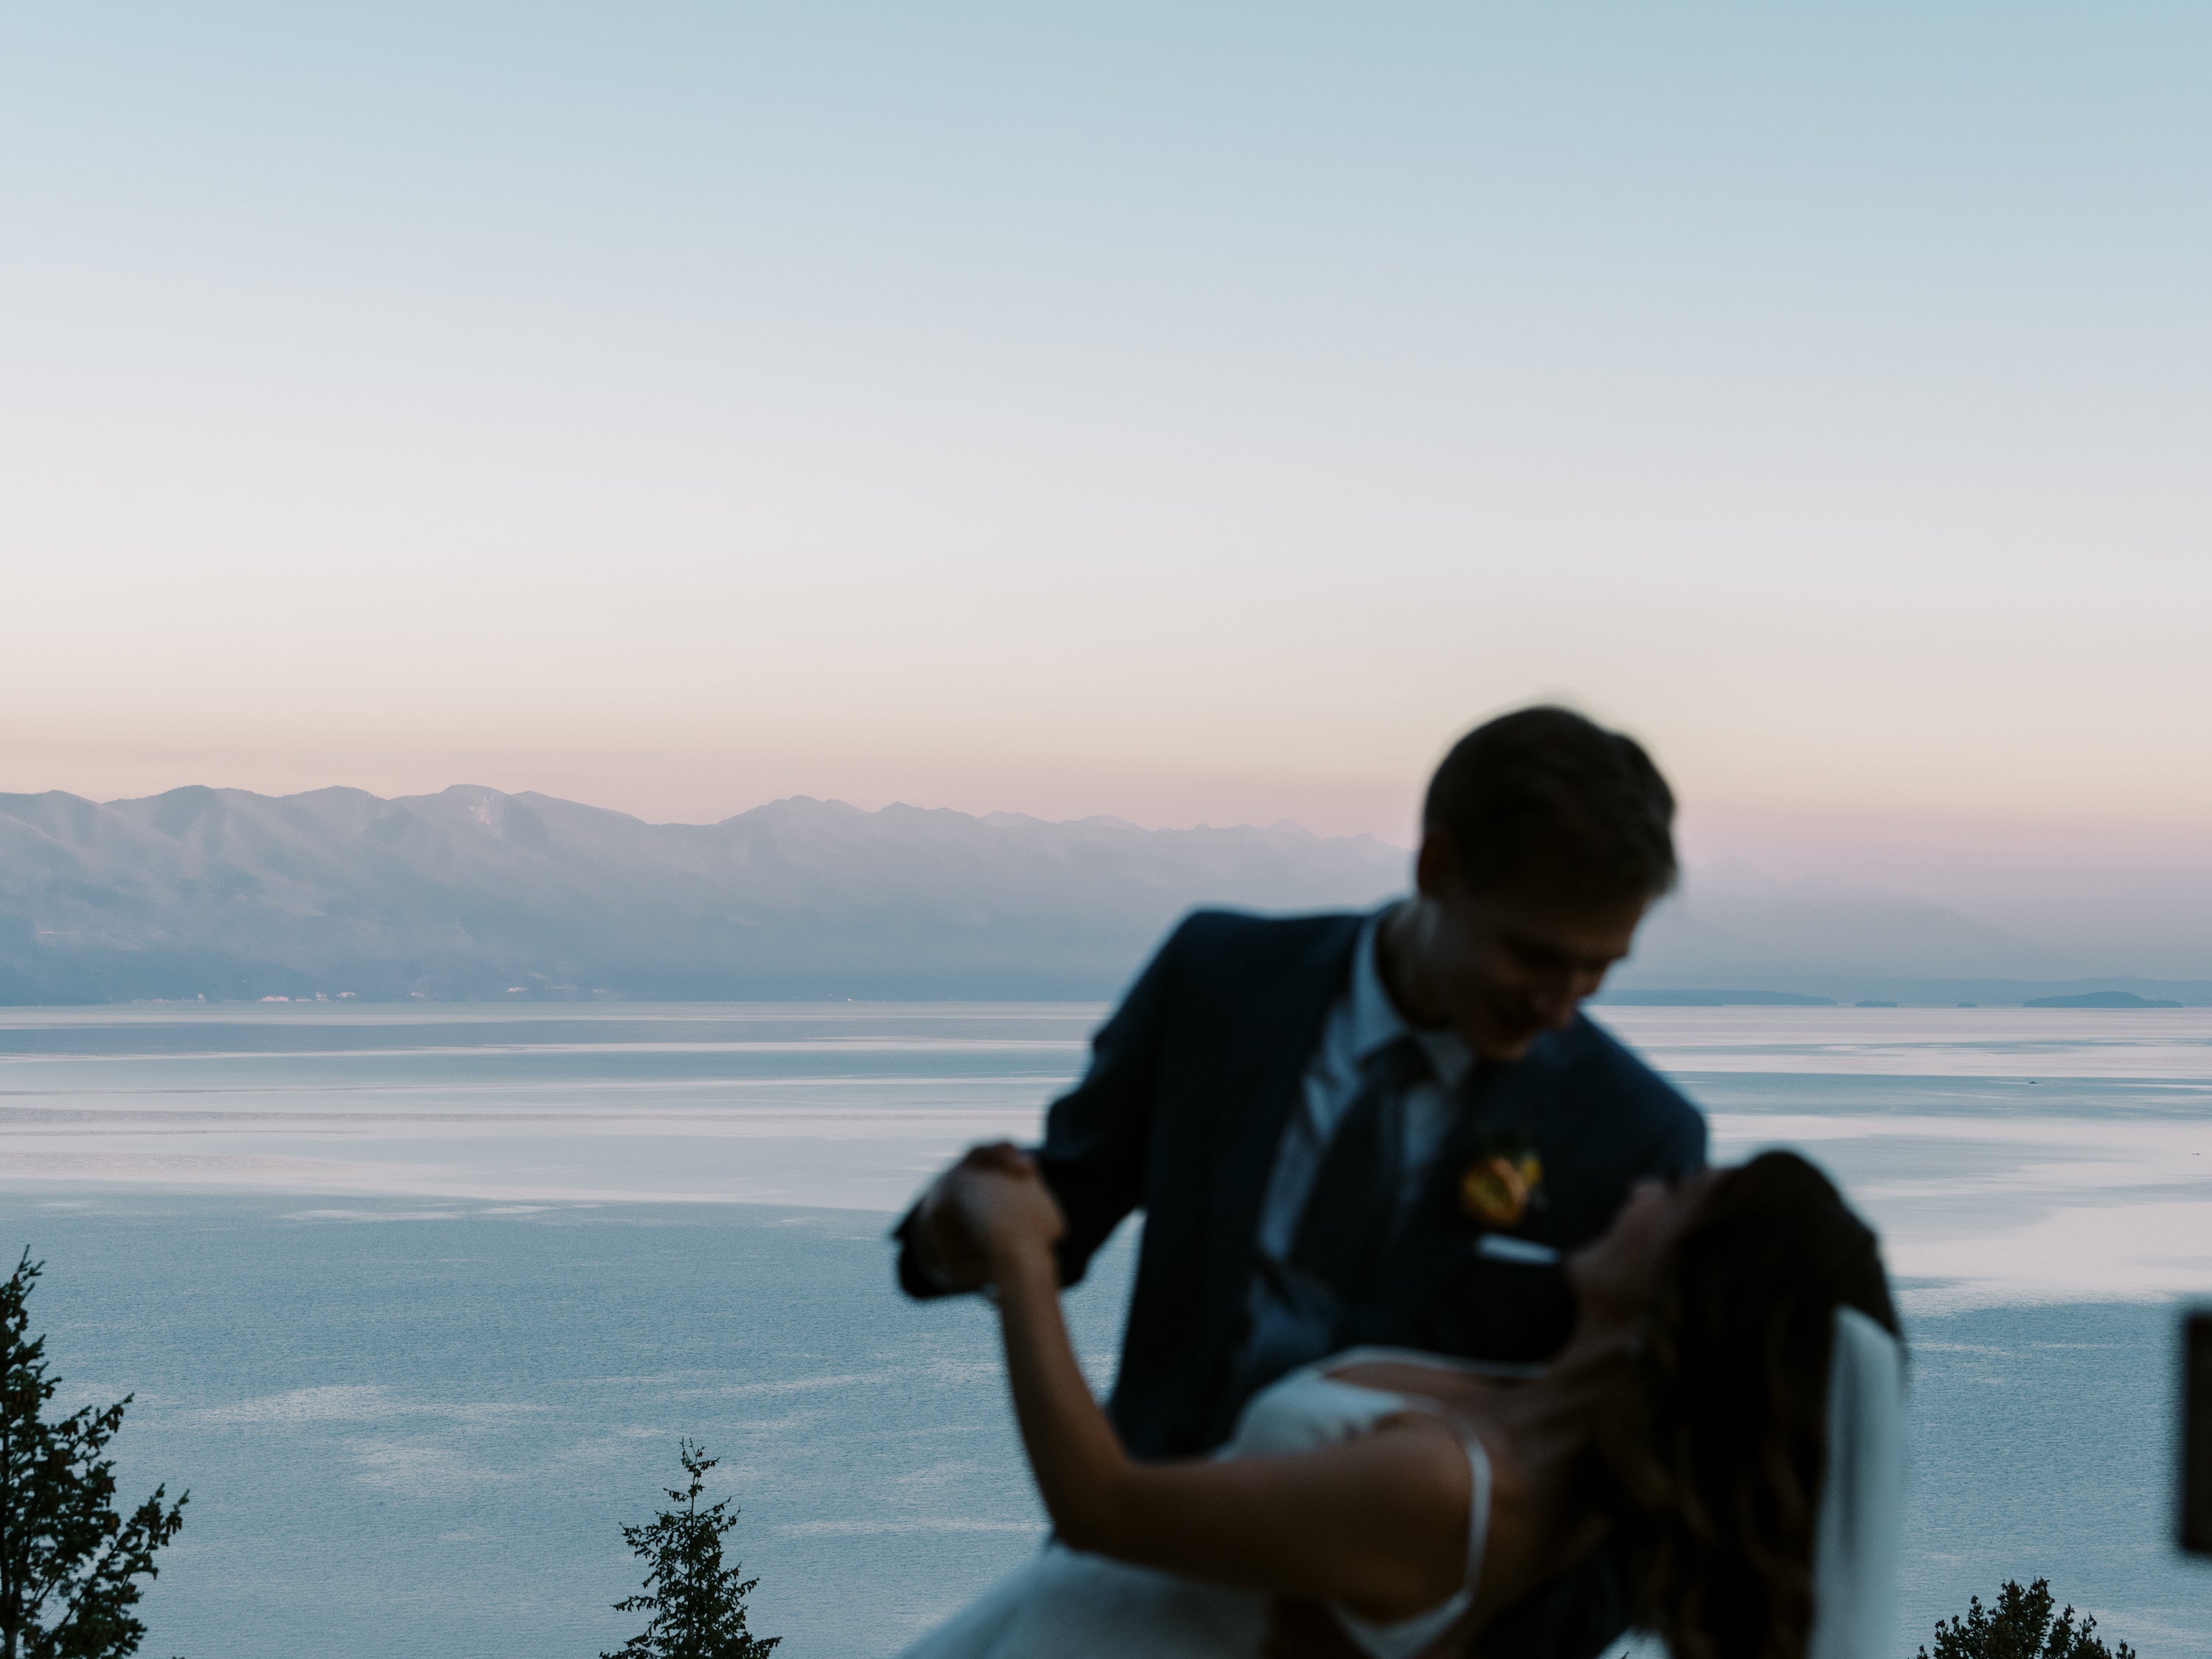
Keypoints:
(1498, 1188)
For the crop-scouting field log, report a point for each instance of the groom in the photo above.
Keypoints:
(1380, 1128)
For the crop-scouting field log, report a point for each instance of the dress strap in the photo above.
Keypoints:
(1406, 1637)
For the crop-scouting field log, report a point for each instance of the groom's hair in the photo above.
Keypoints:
(1545, 798)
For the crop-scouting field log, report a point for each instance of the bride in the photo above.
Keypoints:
(1729, 1408)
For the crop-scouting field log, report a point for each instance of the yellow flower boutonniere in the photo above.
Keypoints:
(1496, 1190)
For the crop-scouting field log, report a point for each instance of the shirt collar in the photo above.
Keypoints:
(1377, 1023)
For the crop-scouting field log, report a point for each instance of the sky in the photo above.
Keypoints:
(1193, 413)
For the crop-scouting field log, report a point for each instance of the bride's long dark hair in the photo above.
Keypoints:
(1717, 1445)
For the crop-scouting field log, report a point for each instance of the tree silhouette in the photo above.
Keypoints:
(2021, 1627)
(698, 1605)
(69, 1564)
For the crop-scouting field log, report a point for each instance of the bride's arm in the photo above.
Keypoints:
(1378, 1522)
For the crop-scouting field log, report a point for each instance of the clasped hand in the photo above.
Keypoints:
(987, 1210)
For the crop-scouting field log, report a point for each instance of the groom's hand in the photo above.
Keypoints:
(950, 1251)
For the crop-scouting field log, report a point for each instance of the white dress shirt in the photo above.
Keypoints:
(1361, 1020)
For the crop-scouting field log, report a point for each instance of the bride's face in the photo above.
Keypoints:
(1615, 1273)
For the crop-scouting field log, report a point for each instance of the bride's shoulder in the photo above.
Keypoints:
(1355, 1393)
(1308, 1409)
(1501, 1370)
(1429, 1376)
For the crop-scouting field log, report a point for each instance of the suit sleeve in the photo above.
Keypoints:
(1096, 1136)
(1681, 1150)
(1691, 1151)
(1674, 1141)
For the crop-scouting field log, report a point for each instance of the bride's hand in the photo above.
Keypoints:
(1005, 1205)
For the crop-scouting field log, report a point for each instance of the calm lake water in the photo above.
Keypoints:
(417, 1301)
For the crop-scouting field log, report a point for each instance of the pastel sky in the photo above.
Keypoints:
(1192, 412)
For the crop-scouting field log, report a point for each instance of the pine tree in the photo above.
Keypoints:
(2021, 1627)
(69, 1564)
(698, 1605)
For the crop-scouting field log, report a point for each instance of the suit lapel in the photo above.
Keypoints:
(1270, 1047)
(1501, 1102)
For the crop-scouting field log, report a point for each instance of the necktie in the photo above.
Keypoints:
(1349, 1215)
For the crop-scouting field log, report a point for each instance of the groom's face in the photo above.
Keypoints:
(1511, 963)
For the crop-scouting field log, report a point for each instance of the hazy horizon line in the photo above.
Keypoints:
(1114, 819)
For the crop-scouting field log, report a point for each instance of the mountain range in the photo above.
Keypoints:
(471, 893)
(474, 894)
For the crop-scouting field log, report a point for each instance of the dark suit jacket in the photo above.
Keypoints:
(1190, 1085)
(1189, 1088)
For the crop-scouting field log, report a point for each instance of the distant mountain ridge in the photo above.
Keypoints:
(226, 894)
(471, 894)
(1819, 941)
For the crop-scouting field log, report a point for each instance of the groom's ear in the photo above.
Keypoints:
(1437, 870)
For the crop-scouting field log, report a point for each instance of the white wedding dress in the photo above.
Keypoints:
(1065, 1604)
(1068, 1605)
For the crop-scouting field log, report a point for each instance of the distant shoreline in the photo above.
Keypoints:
(2127, 995)
(386, 1009)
